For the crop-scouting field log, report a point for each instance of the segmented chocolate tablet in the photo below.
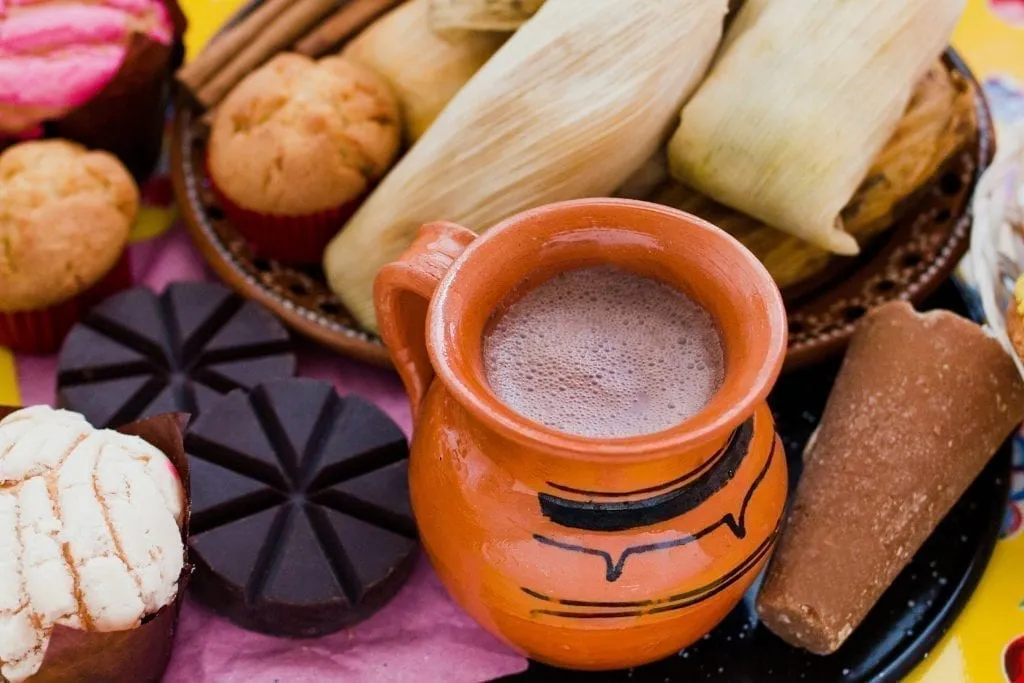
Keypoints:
(138, 355)
(301, 522)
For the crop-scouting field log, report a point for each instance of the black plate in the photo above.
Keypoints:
(911, 617)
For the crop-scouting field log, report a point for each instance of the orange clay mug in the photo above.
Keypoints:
(580, 552)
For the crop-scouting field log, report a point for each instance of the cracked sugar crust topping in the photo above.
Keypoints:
(139, 354)
(89, 532)
(299, 136)
(300, 504)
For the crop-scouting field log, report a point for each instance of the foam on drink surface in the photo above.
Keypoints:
(602, 352)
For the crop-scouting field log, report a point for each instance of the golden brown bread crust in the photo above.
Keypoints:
(65, 216)
(299, 136)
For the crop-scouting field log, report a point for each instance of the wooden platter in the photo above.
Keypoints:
(907, 262)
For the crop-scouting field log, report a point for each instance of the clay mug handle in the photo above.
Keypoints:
(401, 296)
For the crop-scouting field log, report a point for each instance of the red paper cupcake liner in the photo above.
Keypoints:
(43, 331)
(291, 240)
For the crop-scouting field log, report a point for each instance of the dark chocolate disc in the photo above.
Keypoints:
(138, 354)
(301, 523)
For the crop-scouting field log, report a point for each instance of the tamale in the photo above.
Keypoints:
(939, 121)
(492, 15)
(569, 107)
(789, 259)
(424, 69)
(481, 15)
(802, 98)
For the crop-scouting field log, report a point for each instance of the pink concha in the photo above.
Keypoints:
(56, 56)
(58, 82)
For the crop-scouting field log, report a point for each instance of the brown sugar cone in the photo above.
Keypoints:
(921, 404)
(141, 654)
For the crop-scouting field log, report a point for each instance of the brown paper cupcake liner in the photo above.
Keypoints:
(127, 117)
(42, 331)
(291, 240)
(139, 655)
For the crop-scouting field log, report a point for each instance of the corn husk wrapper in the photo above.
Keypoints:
(481, 15)
(141, 654)
(492, 15)
(424, 69)
(939, 121)
(800, 102)
(570, 106)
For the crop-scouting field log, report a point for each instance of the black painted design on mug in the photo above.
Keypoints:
(689, 476)
(736, 524)
(699, 486)
(615, 610)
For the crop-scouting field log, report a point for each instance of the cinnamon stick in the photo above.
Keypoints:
(216, 56)
(345, 23)
(289, 27)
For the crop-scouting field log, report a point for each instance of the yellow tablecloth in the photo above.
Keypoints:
(991, 38)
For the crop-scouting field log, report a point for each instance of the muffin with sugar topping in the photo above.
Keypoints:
(65, 217)
(90, 533)
(295, 146)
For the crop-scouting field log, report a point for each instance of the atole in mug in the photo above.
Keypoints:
(584, 552)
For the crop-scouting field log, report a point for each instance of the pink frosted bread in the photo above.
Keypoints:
(57, 56)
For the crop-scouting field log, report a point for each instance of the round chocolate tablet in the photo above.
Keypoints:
(138, 355)
(301, 522)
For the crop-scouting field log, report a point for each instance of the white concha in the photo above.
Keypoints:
(161, 472)
(29, 451)
(49, 583)
(89, 532)
(148, 538)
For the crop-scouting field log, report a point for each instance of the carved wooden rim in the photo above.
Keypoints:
(916, 255)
